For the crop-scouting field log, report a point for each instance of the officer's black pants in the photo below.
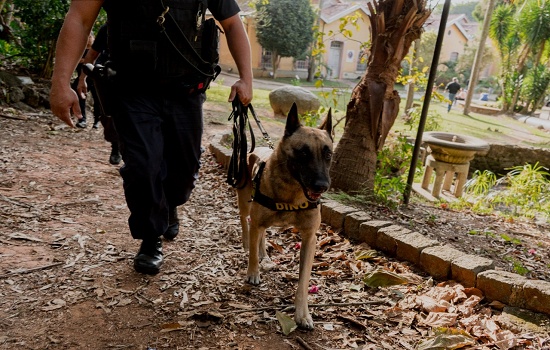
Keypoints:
(160, 134)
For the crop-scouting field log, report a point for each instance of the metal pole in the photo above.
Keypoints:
(427, 99)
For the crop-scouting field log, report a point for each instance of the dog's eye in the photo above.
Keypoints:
(327, 153)
(303, 153)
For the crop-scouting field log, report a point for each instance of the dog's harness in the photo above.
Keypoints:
(270, 203)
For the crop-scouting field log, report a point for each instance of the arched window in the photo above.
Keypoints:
(454, 57)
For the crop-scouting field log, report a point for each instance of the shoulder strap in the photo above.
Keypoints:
(200, 22)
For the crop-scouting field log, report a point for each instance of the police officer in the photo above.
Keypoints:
(157, 100)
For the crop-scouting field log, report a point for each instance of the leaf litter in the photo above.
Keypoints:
(62, 208)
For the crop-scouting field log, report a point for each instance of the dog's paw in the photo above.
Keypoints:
(304, 322)
(253, 278)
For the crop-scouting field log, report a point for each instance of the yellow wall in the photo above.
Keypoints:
(453, 41)
(350, 47)
(286, 69)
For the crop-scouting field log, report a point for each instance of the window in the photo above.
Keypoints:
(266, 59)
(301, 64)
(454, 57)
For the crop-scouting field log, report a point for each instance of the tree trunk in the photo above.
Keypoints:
(374, 103)
(479, 55)
(519, 68)
(310, 69)
(47, 70)
(410, 91)
(275, 59)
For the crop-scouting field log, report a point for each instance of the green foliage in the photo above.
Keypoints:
(285, 27)
(390, 179)
(8, 50)
(425, 52)
(38, 29)
(534, 18)
(536, 83)
(310, 119)
(335, 98)
(481, 183)
(517, 266)
(524, 191)
(433, 120)
(466, 60)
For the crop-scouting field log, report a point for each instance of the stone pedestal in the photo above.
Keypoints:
(444, 176)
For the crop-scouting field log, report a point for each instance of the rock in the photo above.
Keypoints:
(281, 99)
(9, 79)
(15, 94)
(32, 97)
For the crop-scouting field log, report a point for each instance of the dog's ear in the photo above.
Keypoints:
(327, 124)
(292, 121)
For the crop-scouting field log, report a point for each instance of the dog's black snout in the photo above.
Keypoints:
(320, 186)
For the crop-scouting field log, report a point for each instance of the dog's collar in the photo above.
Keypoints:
(270, 203)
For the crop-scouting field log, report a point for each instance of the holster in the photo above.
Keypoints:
(103, 77)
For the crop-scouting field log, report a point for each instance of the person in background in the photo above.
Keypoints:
(453, 88)
(74, 85)
(157, 99)
(98, 54)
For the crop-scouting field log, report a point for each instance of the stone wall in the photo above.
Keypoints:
(501, 157)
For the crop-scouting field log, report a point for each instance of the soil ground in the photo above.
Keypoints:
(67, 280)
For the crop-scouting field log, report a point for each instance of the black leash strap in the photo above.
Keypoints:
(237, 172)
(261, 127)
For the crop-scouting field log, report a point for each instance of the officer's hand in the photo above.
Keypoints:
(62, 100)
(243, 89)
(82, 88)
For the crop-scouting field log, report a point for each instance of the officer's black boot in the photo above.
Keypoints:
(115, 157)
(149, 257)
(173, 225)
(81, 123)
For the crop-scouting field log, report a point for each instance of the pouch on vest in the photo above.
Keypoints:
(143, 55)
(210, 42)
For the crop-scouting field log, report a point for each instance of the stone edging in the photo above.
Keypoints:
(442, 262)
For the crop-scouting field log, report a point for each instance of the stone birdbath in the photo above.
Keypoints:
(450, 154)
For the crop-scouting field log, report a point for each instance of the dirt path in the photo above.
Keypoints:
(67, 280)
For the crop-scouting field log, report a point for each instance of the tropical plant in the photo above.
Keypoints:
(535, 85)
(480, 183)
(523, 191)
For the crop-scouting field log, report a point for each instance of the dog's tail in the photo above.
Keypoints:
(237, 174)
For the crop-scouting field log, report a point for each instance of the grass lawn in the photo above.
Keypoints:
(499, 129)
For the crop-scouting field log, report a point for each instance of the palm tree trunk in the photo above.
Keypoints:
(479, 55)
(374, 103)
(519, 68)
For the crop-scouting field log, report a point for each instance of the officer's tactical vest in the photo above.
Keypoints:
(153, 39)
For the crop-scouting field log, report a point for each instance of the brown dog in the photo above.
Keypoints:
(286, 185)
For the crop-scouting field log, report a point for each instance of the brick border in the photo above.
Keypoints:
(439, 261)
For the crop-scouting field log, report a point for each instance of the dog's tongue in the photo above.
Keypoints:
(313, 195)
